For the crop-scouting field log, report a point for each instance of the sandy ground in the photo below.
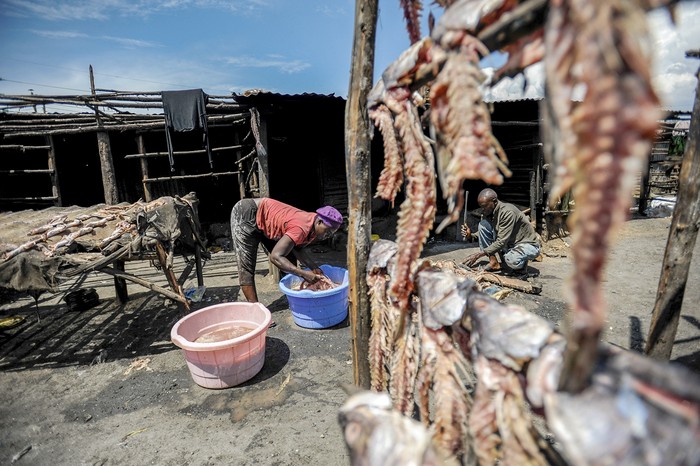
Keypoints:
(106, 386)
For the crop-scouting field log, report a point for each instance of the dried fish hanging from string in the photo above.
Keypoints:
(434, 334)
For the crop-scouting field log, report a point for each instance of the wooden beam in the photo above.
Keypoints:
(21, 147)
(679, 247)
(158, 289)
(357, 163)
(183, 152)
(185, 177)
(80, 129)
(29, 198)
(27, 172)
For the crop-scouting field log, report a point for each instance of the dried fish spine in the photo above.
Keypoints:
(417, 212)
(391, 177)
(606, 138)
(466, 148)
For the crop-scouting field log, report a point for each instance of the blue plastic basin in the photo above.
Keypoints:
(318, 309)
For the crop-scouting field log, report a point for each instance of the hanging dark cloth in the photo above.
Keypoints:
(185, 111)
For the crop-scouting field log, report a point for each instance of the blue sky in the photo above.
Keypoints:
(231, 46)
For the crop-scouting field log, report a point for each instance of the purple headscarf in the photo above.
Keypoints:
(330, 216)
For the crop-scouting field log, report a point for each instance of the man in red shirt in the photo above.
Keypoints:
(283, 230)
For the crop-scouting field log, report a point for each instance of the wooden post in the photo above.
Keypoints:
(239, 165)
(170, 275)
(144, 168)
(643, 191)
(119, 283)
(357, 158)
(679, 248)
(55, 188)
(259, 126)
(533, 198)
(198, 264)
(109, 182)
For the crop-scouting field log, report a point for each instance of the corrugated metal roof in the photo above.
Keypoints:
(682, 125)
(519, 99)
(256, 95)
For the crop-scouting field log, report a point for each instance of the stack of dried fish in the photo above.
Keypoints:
(44, 236)
(60, 233)
(477, 370)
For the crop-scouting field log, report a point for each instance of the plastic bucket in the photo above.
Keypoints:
(318, 309)
(225, 363)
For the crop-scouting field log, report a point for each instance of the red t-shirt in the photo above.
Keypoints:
(276, 219)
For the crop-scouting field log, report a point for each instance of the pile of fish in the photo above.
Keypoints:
(44, 236)
(323, 284)
(478, 374)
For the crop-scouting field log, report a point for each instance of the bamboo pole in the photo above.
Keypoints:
(357, 158)
(680, 245)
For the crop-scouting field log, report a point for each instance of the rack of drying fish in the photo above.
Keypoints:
(42, 248)
(486, 380)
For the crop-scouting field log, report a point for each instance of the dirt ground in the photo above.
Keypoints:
(106, 386)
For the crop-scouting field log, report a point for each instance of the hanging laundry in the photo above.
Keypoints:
(185, 111)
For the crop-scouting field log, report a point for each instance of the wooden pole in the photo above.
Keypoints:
(170, 274)
(144, 168)
(158, 289)
(679, 248)
(644, 191)
(120, 287)
(357, 163)
(258, 125)
(55, 188)
(241, 171)
(109, 182)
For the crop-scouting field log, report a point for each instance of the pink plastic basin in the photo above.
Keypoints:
(226, 363)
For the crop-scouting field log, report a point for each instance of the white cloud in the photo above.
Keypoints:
(131, 43)
(271, 61)
(51, 10)
(331, 12)
(55, 10)
(124, 41)
(530, 86)
(59, 34)
(673, 75)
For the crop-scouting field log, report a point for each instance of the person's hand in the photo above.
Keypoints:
(466, 231)
(318, 271)
(311, 276)
(469, 261)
